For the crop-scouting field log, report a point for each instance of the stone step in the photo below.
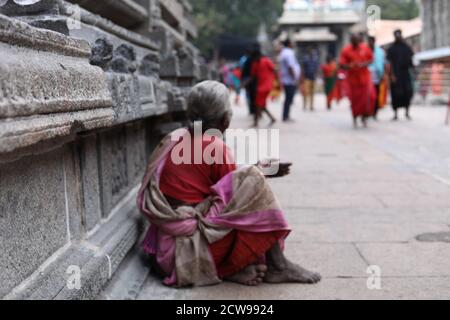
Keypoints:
(129, 279)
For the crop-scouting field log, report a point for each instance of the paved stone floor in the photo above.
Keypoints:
(357, 199)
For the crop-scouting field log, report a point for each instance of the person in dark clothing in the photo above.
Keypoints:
(400, 56)
(310, 67)
(248, 81)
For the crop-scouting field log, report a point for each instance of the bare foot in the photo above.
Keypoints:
(292, 274)
(251, 276)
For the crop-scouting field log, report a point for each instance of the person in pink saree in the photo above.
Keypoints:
(210, 220)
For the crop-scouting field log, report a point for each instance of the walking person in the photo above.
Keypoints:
(356, 58)
(237, 83)
(377, 69)
(400, 56)
(290, 76)
(264, 75)
(310, 66)
(247, 81)
(330, 73)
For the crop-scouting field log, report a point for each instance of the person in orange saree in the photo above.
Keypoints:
(356, 58)
(211, 220)
(329, 71)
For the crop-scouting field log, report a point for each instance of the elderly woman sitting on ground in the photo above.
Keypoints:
(211, 221)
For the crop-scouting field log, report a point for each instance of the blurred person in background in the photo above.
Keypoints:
(310, 67)
(356, 58)
(377, 69)
(237, 77)
(290, 76)
(400, 56)
(330, 73)
(264, 74)
(225, 74)
(247, 82)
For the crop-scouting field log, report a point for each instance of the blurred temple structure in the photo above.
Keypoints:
(323, 24)
(87, 90)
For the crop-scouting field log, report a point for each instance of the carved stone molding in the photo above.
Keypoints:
(48, 89)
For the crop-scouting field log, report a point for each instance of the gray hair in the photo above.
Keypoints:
(209, 102)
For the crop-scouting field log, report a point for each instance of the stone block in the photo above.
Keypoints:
(136, 152)
(97, 258)
(29, 135)
(125, 93)
(114, 179)
(122, 163)
(95, 273)
(174, 8)
(74, 192)
(94, 26)
(33, 215)
(129, 278)
(55, 74)
(126, 13)
(189, 67)
(153, 97)
(49, 283)
(48, 87)
(150, 65)
(90, 181)
(170, 68)
(177, 100)
(123, 59)
(11, 8)
(165, 39)
(162, 90)
(136, 97)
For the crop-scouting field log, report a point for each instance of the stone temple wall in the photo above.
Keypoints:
(87, 89)
(436, 16)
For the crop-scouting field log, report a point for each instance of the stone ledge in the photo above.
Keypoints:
(93, 20)
(46, 72)
(48, 88)
(98, 258)
(137, 97)
(24, 132)
(129, 278)
(15, 32)
(35, 82)
(126, 13)
(41, 6)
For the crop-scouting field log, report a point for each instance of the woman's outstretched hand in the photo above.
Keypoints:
(273, 168)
